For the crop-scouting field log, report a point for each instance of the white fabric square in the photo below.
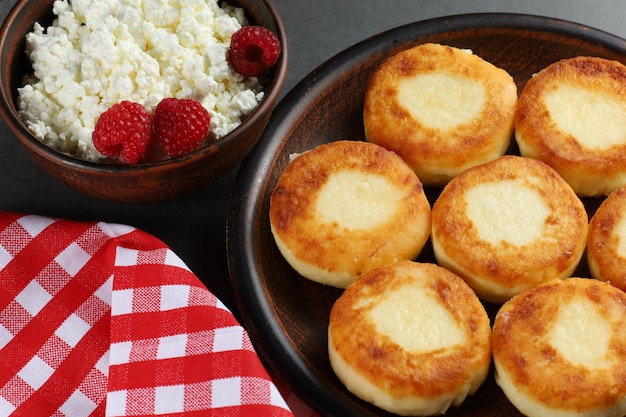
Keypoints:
(103, 364)
(78, 405)
(169, 399)
(72, 259)
(5, 336)
(228, 338)
(219, 304)
(5, 257)
(36, 372)
(105, 291)
(34, 224)
(120, 353)
(126, 257)
(172, 346)
(33, 298)
(276, 398)
(115, 230)
(6, 408)
(174, 296)
(72, 330)
(226, 392)
(122, 302)
(116, 403)
(172, 259)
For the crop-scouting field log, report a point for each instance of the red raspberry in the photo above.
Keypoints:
(180, 125)
(253, 50)
(123, 132)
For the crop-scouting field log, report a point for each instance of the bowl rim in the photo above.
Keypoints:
(8, 109)
(248, 197)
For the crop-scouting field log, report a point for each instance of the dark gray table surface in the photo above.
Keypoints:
(195, 226)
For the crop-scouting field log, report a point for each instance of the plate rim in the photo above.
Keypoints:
(267, 334)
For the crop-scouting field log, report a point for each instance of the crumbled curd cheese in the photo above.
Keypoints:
(100, 52)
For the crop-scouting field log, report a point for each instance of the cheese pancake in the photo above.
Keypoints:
(559, 349)
(606, 247)
(411, 338)
(571, 116)
(345, 208)
(442, 109)
(508, 225)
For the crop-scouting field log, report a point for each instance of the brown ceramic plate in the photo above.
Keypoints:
(287, 315)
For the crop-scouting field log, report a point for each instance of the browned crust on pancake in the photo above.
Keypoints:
(386, 364)
(507, 265)
(603, 258)
(330, 246)
(429, 150)
(545, 141)
(537, 369)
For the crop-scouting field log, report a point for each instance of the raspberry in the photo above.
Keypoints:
(123, 132)
(180, 125)
(253, 50)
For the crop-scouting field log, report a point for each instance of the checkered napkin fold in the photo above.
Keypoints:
(103, 319)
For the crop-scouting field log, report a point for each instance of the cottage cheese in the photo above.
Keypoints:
(100, 52)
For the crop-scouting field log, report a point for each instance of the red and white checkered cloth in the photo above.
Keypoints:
(101, 319)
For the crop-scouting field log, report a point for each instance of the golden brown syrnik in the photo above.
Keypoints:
(606, 246)
(345, 208)
(508, 225)
(572, 116)
(411, 338)
(559, 349)
(442, 109)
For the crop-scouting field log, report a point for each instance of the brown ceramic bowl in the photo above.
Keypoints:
(146, 182)
(286, 314)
